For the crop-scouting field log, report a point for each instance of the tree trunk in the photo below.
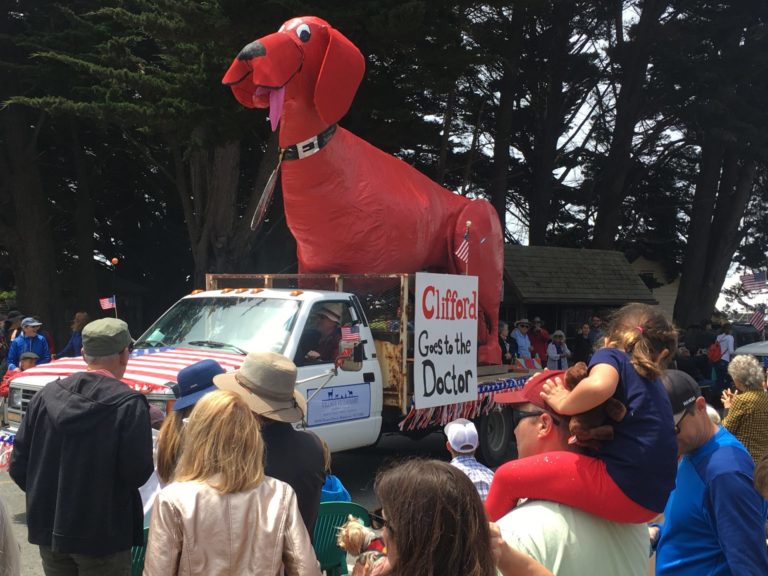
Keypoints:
(550, 124)
(28, 237)
(504, 118)
(221, 205)
(207, 182)
(610, 182)
(722, 194)
(472, 154)
(445, 140)
(87, 292)
(244, 239)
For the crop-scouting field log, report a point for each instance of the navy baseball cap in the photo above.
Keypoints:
(195, 381)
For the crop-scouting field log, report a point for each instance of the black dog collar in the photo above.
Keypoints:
(309, 146)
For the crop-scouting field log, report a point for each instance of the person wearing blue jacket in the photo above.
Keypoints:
(28, 341)
(75, 345)
(714, 522)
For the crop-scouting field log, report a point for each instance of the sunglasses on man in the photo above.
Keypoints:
(520, 415)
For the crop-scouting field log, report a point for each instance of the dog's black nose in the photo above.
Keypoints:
(252, 50)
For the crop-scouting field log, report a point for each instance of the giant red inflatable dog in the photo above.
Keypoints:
(351, 207)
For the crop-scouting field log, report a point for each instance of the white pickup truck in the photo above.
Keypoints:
(351, 401)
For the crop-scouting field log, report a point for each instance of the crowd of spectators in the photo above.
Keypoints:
(22, 334)
(231, 486)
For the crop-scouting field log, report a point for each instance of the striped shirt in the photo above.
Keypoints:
(480, 475)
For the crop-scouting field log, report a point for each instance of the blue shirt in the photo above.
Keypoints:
(74, 347)
(37, 344)
(715, 519)
(642, 457)
(523, 343)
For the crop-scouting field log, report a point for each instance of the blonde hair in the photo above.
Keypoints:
(644, 333)
(326, 457)
(746, 370)
(222, 437)
(169, 442)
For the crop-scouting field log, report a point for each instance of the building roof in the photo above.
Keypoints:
(544, 274)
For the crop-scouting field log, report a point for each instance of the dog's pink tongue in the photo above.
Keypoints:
(276, 106)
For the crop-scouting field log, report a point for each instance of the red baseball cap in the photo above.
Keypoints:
(531, 392)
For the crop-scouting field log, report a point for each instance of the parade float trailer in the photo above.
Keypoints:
(406, 353)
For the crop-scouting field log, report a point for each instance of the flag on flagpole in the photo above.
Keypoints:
(758, 318)
(108, 303)
(462, 252)
(350, 333)
(756, 281)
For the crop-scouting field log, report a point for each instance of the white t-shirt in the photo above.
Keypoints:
(726, 346)
(569, 542)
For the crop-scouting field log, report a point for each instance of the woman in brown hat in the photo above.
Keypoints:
(267, 383)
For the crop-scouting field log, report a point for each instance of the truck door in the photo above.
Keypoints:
(345, 412)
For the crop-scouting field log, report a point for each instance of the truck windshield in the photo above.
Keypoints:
(233, 324)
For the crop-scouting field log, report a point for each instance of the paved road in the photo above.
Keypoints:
(357, 470)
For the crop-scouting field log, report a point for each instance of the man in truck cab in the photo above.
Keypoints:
(81, 453)
(322, 343)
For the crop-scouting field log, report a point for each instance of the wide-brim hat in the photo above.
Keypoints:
(523, 321)
(195, 381)
(558, 334)
(530, 393)
(267, 382)
(329, 313)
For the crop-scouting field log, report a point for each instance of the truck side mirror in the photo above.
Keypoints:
(351, 356)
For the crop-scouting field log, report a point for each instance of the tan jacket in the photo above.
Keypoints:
(197, 530)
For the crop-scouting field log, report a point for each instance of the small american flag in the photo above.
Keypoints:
(758, 318)
(756, 281)
(350, 333)
(462, 252)
(108, 303)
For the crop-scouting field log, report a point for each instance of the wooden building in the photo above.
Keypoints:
(566, 286)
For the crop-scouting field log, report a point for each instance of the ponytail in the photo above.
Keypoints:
(646, 335)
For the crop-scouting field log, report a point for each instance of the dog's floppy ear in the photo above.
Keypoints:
(340, 75)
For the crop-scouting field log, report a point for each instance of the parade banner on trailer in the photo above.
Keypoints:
(445, 351)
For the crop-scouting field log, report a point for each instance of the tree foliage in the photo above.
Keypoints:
(626, 124)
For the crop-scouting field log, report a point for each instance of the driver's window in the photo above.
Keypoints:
(319, 343)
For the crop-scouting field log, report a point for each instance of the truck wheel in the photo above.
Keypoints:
(497, 437)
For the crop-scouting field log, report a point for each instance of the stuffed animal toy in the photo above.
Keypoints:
(590, 428)
(362, 542)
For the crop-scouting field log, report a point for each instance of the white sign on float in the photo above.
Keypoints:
(445, 351)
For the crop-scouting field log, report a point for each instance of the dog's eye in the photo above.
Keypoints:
(303, 32)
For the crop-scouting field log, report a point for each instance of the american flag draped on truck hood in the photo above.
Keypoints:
(149, 369)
